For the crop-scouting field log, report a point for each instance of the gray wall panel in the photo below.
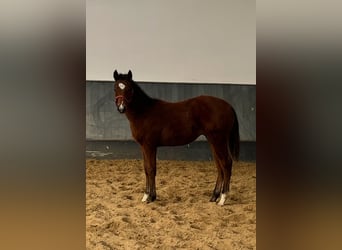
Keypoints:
(103, 122)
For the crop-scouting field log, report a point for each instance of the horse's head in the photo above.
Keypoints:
(123, 88)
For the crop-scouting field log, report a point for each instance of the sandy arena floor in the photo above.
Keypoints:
(182, 216)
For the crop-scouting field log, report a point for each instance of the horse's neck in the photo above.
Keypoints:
(140, 106)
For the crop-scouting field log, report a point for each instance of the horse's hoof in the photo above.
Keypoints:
(152, 198)
(213, 199)
(148, 198)
(222, 200)
(145, 197)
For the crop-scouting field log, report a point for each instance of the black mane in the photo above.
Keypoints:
(140, 98)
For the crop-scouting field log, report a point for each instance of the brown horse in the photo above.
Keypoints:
(157, 123)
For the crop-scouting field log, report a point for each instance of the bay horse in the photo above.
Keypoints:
(157, 123)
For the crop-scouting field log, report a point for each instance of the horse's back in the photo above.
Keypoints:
(211, 101)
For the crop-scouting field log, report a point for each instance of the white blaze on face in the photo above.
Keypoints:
(122, 86)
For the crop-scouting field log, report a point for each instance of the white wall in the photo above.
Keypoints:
(172, 41)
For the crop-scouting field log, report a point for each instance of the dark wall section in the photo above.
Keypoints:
(195, 151)
(108, 134)
(103, 122)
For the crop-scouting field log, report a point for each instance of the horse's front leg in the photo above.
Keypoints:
(149, 154)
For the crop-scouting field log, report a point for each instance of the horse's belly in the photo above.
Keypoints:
(172, 137)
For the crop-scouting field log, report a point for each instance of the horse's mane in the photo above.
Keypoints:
(141, 99)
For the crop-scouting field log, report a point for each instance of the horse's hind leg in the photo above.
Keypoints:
(227, 172)
(219, 180)
(224, 165)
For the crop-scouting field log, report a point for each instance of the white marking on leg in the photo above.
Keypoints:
(145, 197)
(122, 86)
(222, 200)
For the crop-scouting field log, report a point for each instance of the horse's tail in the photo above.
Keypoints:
(234, 139)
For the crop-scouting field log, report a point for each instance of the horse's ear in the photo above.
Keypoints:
(130, 74)
(115, 75)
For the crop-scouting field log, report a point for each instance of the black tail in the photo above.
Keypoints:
(234, 139)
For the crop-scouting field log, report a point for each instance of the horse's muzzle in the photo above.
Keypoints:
(121, 108)
(120, 103)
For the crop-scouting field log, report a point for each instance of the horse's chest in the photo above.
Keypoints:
(134, 130)
(138, 133)
(145, 131)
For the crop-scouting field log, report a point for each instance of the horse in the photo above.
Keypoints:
(156, 123)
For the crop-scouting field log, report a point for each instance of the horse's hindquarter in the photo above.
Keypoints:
(213, 114)
(183, 122)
